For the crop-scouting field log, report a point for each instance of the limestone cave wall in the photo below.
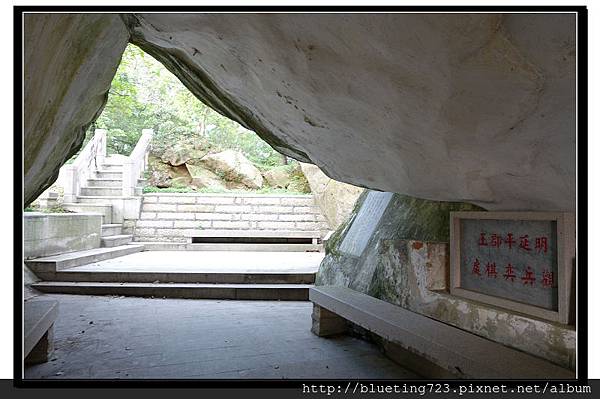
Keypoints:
(69, 62)
(405, 261)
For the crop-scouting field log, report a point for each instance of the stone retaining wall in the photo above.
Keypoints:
(171, 217)
(47, 234)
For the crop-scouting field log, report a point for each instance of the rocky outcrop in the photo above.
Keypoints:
(233, 166)
(164, 175)
(335, 199)
(204, 178)
(454, 107)
(179, 155)
(69, 62)
(278, 177)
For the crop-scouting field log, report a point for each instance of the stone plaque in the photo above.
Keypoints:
(366, 221)
(514, 260)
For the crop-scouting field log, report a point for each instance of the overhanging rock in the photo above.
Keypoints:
(69, 62)
(457, 107)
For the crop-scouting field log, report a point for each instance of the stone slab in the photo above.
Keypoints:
(59, 262)
(449, 347)
(103, 276)
(39, 315)
(284, 292)
(366, 221)
(209, 262)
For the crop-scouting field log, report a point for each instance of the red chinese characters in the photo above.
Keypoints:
(496, 240)
(509, 273)
(510, 241)
(524, 242)
(490, 270)
(513, 271)
(482, 240)
(476, 267)
(528, 276)
(547, 278)
(541, 244)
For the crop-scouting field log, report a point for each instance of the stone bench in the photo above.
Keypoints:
(458, 352)
(38, 330)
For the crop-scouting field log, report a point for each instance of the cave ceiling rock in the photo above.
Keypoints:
(455, 107)
(69, 62)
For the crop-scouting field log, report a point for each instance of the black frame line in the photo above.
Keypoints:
(582, 191)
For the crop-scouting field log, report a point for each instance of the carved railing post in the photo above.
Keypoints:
(74, 175)
(101, 147)
(136, 163)
(69, 182)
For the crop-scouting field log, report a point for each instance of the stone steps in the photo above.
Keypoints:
(284, 292)
(97, 199)
(116, 183)
(112, 229)
(101, 191)
(106, 174)
(109, 167)
(115, 240)
(104, 209)
(74, 275)
(51, 264)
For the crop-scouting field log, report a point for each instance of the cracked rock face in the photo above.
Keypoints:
(476, 108)
(69, 62)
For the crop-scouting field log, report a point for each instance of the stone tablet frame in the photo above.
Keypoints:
(565, 230)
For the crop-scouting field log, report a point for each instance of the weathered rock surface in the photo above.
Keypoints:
(278, 177)
(181, 181)
(405, 262)
(164, 175)
(335, 199)
(233, 166)
(204, 178)
(69, 62)
(459, 107)
(179, 155)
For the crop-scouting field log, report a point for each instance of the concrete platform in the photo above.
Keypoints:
(50, 264)
(75, 275)
(115, 240)
(276, 292)
(209, 262)
(176, 274)
(127, 338)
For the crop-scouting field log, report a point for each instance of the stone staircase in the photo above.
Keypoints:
(108, 185)
(210, 278)
(104, 186)
(111, 186)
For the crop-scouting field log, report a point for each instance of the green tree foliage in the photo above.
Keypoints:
(144, 94)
